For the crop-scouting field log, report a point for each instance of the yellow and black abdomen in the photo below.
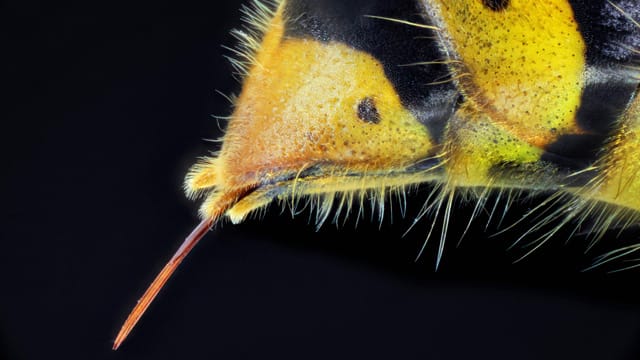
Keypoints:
(351, 99)
(550, 96)
(344, 102)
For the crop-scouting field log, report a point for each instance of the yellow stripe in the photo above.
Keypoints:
(523, 66)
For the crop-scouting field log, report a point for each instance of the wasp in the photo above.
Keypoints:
(347, 102)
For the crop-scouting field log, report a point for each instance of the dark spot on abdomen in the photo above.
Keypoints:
(367, 111)
(496, 5)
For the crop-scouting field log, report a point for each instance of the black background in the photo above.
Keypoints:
(105, 111)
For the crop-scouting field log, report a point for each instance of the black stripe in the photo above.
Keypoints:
(393, 44)
(574, 152)
(609, 36)
(608, 33)
(603, 104)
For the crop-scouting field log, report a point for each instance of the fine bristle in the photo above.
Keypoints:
(256, 18)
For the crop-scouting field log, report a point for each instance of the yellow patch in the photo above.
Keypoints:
(300, 108)
(523, 66)
(476, 145)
